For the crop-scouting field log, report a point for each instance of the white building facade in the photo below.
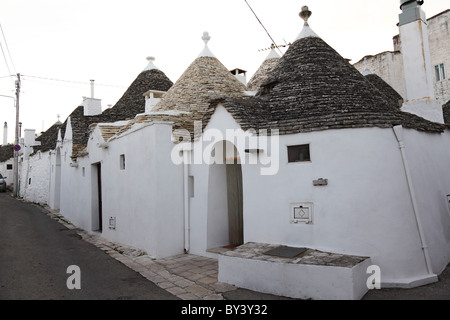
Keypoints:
(315, 159)
(389, 65)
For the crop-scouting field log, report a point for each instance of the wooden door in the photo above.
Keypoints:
(99, 183)
(235, 204)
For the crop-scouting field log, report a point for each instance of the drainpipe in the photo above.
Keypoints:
(398, 131)
(187, 222)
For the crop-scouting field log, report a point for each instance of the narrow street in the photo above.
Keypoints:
(35, 253)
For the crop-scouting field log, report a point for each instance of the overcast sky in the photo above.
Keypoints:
(109, 40)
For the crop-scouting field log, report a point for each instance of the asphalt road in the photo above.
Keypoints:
(35, 253)
(435, 291)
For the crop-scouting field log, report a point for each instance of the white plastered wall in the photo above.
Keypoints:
(145, 199)
(365, 209)
(34, 178)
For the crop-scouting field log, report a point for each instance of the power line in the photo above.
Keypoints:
(71, 81)
(7, 49)
(273, 41)
(4, 56)
(6, 61)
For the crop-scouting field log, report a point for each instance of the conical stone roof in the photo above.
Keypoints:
(6, 152)
(189, 99)
(392, 96)
(48, 138)
(446, 111)
(206, 79)
(133, 101)
(313, 71)
(313, 88)
(127, 107)
(261, 74)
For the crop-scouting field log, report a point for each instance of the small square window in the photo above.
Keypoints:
(299, 153)
(122, 162)
(439, 71)
(9, 167)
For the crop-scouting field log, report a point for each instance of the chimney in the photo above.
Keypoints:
(29, 137)
(29, 141)
(152, 97)
(241, 75)
(419, 85)
(92, 89)
(5, 134)
(92, 106)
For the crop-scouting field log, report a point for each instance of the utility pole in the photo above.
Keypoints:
(16, 141)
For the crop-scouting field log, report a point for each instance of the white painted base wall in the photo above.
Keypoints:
(145, 199)
(298, 281)
(34, 178)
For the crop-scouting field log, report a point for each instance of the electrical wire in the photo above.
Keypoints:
(4, 56)
(7, 49)
(273, 41)
(71, 81)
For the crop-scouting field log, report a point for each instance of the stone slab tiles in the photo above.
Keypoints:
(310, 275)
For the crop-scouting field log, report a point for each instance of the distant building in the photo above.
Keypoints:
(389, 65)
(7, 162)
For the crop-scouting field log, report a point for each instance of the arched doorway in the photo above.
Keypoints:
(225, 198)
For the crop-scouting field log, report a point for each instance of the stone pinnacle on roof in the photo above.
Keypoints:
(206, 52)
(151, 65)
(206, 37)
(266, 67)
(205, 79)
(305, 14)
(366, 71)
(273, 54)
